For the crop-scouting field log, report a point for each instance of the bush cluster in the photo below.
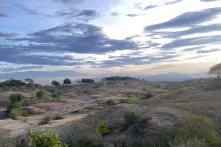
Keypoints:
(14, 108)
(45, 139)
(134, 123)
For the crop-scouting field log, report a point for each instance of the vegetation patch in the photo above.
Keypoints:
(45, 139)
(103, 128)
(14, 108)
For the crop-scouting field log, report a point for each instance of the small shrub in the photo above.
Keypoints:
(12, 105)
(103, 128)
(15, 113)
(40, 94)
(124, 101)
(45, 139)
(55, 95)
(55, 83)
(58, 116)
(87, 81)
(130, 118)
(43, 95)
(110, 103)
(148, 95)
(134, 123)
(200, 128)
(14, 108)
(164, 137)
(16, 97)
(46, 120)
(106, 103)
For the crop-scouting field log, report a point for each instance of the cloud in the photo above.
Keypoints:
(205, 40)
(150, 7)
(7, 35)
(208, 51)
(173, 2)
(2, 15)
(193, 30)
(58, 43)
(70, 1)
(115, 14)
(187, 19)
(84, 15)
(132, 15)
(81, 38)
(28, 10)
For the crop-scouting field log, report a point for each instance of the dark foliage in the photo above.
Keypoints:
(87, 81)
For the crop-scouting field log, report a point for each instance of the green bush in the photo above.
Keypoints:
(15, 113)
(87, 81)
(16, 97)
(12, 83)
(12, 105)
(130, 118)
(134, 123)
(40, 94)
(109, 103)
(44, 95)
(14, 108)
(200, 128)
(45, 139)
(55, 83)
(103, 128)
(106, 103)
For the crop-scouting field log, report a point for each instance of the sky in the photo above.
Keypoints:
(54, 39)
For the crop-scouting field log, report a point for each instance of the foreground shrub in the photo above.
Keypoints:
(12, 105)
(134, 123)
(200, 128)
(14, 108)
(15, 113)
(45, 139)
(103, 128)
(130, 118)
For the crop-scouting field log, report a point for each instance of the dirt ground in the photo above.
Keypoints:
(85, 105)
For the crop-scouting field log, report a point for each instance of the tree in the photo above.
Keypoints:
(87, 81)
(67, 81)
(55, 83)
(216, 70)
